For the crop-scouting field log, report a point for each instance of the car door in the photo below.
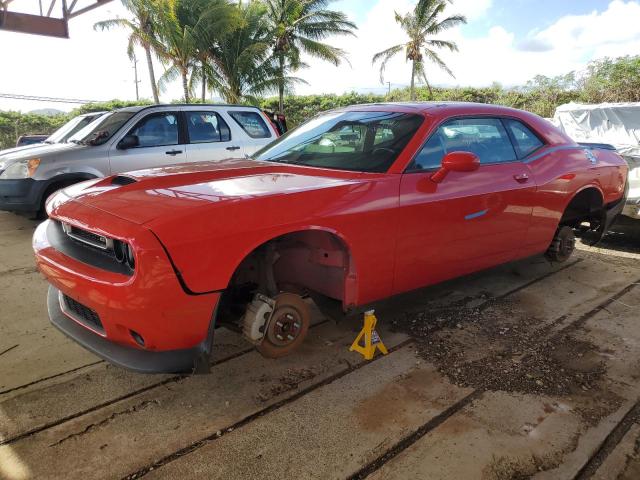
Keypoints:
(209, 136)
(160, 142)
(470, 220)
(254, 130)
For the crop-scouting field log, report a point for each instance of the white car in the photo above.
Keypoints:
(132, 138)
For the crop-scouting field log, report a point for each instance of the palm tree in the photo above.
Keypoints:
(299, 26)
(141, 33)
(242, 66)
(186, 28)
(421, 26)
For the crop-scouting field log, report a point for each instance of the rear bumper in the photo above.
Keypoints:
(22, 195)
(194, 359)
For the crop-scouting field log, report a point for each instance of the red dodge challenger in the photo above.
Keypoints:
(355, 205)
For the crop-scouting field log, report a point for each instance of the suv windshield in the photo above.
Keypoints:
(354, 141)
(70, 128)
(102, 128)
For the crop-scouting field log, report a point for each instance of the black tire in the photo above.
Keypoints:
(292, 313)
(562, 245)
(51, 189)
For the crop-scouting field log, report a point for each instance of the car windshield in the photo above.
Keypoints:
(353, 141)
(102, 128)
(70, 128)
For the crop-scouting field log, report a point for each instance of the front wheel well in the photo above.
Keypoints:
(313, 262)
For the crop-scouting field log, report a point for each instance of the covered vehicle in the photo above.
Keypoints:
(617, 124)
(354, 206)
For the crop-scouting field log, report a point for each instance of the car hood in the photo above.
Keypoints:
(154, 195)
(36, 150)
(11, 151)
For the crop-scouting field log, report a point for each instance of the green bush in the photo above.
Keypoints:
(606, 80)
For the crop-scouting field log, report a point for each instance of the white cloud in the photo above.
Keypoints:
(93, 65)
(566, 45)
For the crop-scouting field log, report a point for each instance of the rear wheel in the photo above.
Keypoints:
(288, 326)
(562, 245)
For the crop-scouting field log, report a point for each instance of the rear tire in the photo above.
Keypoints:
(287, 328)
(562, 245)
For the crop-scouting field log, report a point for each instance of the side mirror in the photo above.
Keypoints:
(456, 162)
(128, 141)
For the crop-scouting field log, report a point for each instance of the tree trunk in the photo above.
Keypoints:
(152, 75)
(204, 84)
(281, 86)
(413, 80)
(429, 87)
(185, 86)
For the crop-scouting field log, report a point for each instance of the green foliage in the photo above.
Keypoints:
(14, 124)
(612, 80)
(106, 106)
(606, 80)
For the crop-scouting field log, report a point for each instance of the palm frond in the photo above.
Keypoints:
(384, 56)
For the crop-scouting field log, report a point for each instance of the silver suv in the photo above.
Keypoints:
(132, 138)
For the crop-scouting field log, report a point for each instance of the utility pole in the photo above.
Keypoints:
(135, 73)
(389, 92)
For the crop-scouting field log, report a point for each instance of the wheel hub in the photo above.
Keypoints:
(285, 326)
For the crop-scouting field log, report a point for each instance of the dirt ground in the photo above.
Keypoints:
(528, 370)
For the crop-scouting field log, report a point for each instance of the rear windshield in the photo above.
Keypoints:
(101, 129)
(353, 141)
(252, 123)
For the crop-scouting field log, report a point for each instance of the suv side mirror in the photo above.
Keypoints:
(456, 162)
(128, 141)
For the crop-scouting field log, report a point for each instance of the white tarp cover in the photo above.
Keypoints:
(615, 123)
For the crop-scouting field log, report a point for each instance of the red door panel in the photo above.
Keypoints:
(470, 221)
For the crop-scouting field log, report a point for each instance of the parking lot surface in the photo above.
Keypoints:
(528, 370)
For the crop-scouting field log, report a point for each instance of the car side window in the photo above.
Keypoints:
(484, 137)
(157, 129)
(526, 142)
(207, 127)
(252, 123)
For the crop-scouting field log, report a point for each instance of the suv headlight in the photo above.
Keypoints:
(21, 169)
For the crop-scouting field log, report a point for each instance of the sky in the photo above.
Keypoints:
(504, 41)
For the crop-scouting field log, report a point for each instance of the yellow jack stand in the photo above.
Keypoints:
(371, 338)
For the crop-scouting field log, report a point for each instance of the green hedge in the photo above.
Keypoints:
(606, 80)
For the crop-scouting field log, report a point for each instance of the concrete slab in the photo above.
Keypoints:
(328, 433)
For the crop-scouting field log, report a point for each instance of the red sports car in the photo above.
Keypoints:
(355, 205)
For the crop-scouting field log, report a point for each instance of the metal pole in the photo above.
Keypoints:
(135, 73)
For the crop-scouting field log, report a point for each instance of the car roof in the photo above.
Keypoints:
(437, 108)
(138, 108)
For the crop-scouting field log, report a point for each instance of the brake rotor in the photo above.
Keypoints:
(287, 327)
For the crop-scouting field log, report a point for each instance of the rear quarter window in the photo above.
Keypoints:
(526, 142)
(252, 123)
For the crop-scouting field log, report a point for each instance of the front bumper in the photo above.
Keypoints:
(150, 304)
(22, 195)
(194, 359)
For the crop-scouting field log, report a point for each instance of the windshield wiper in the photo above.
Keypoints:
(77, 142)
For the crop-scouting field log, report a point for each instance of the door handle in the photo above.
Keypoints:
(173, 152)
(235, 147)
(521, 178)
